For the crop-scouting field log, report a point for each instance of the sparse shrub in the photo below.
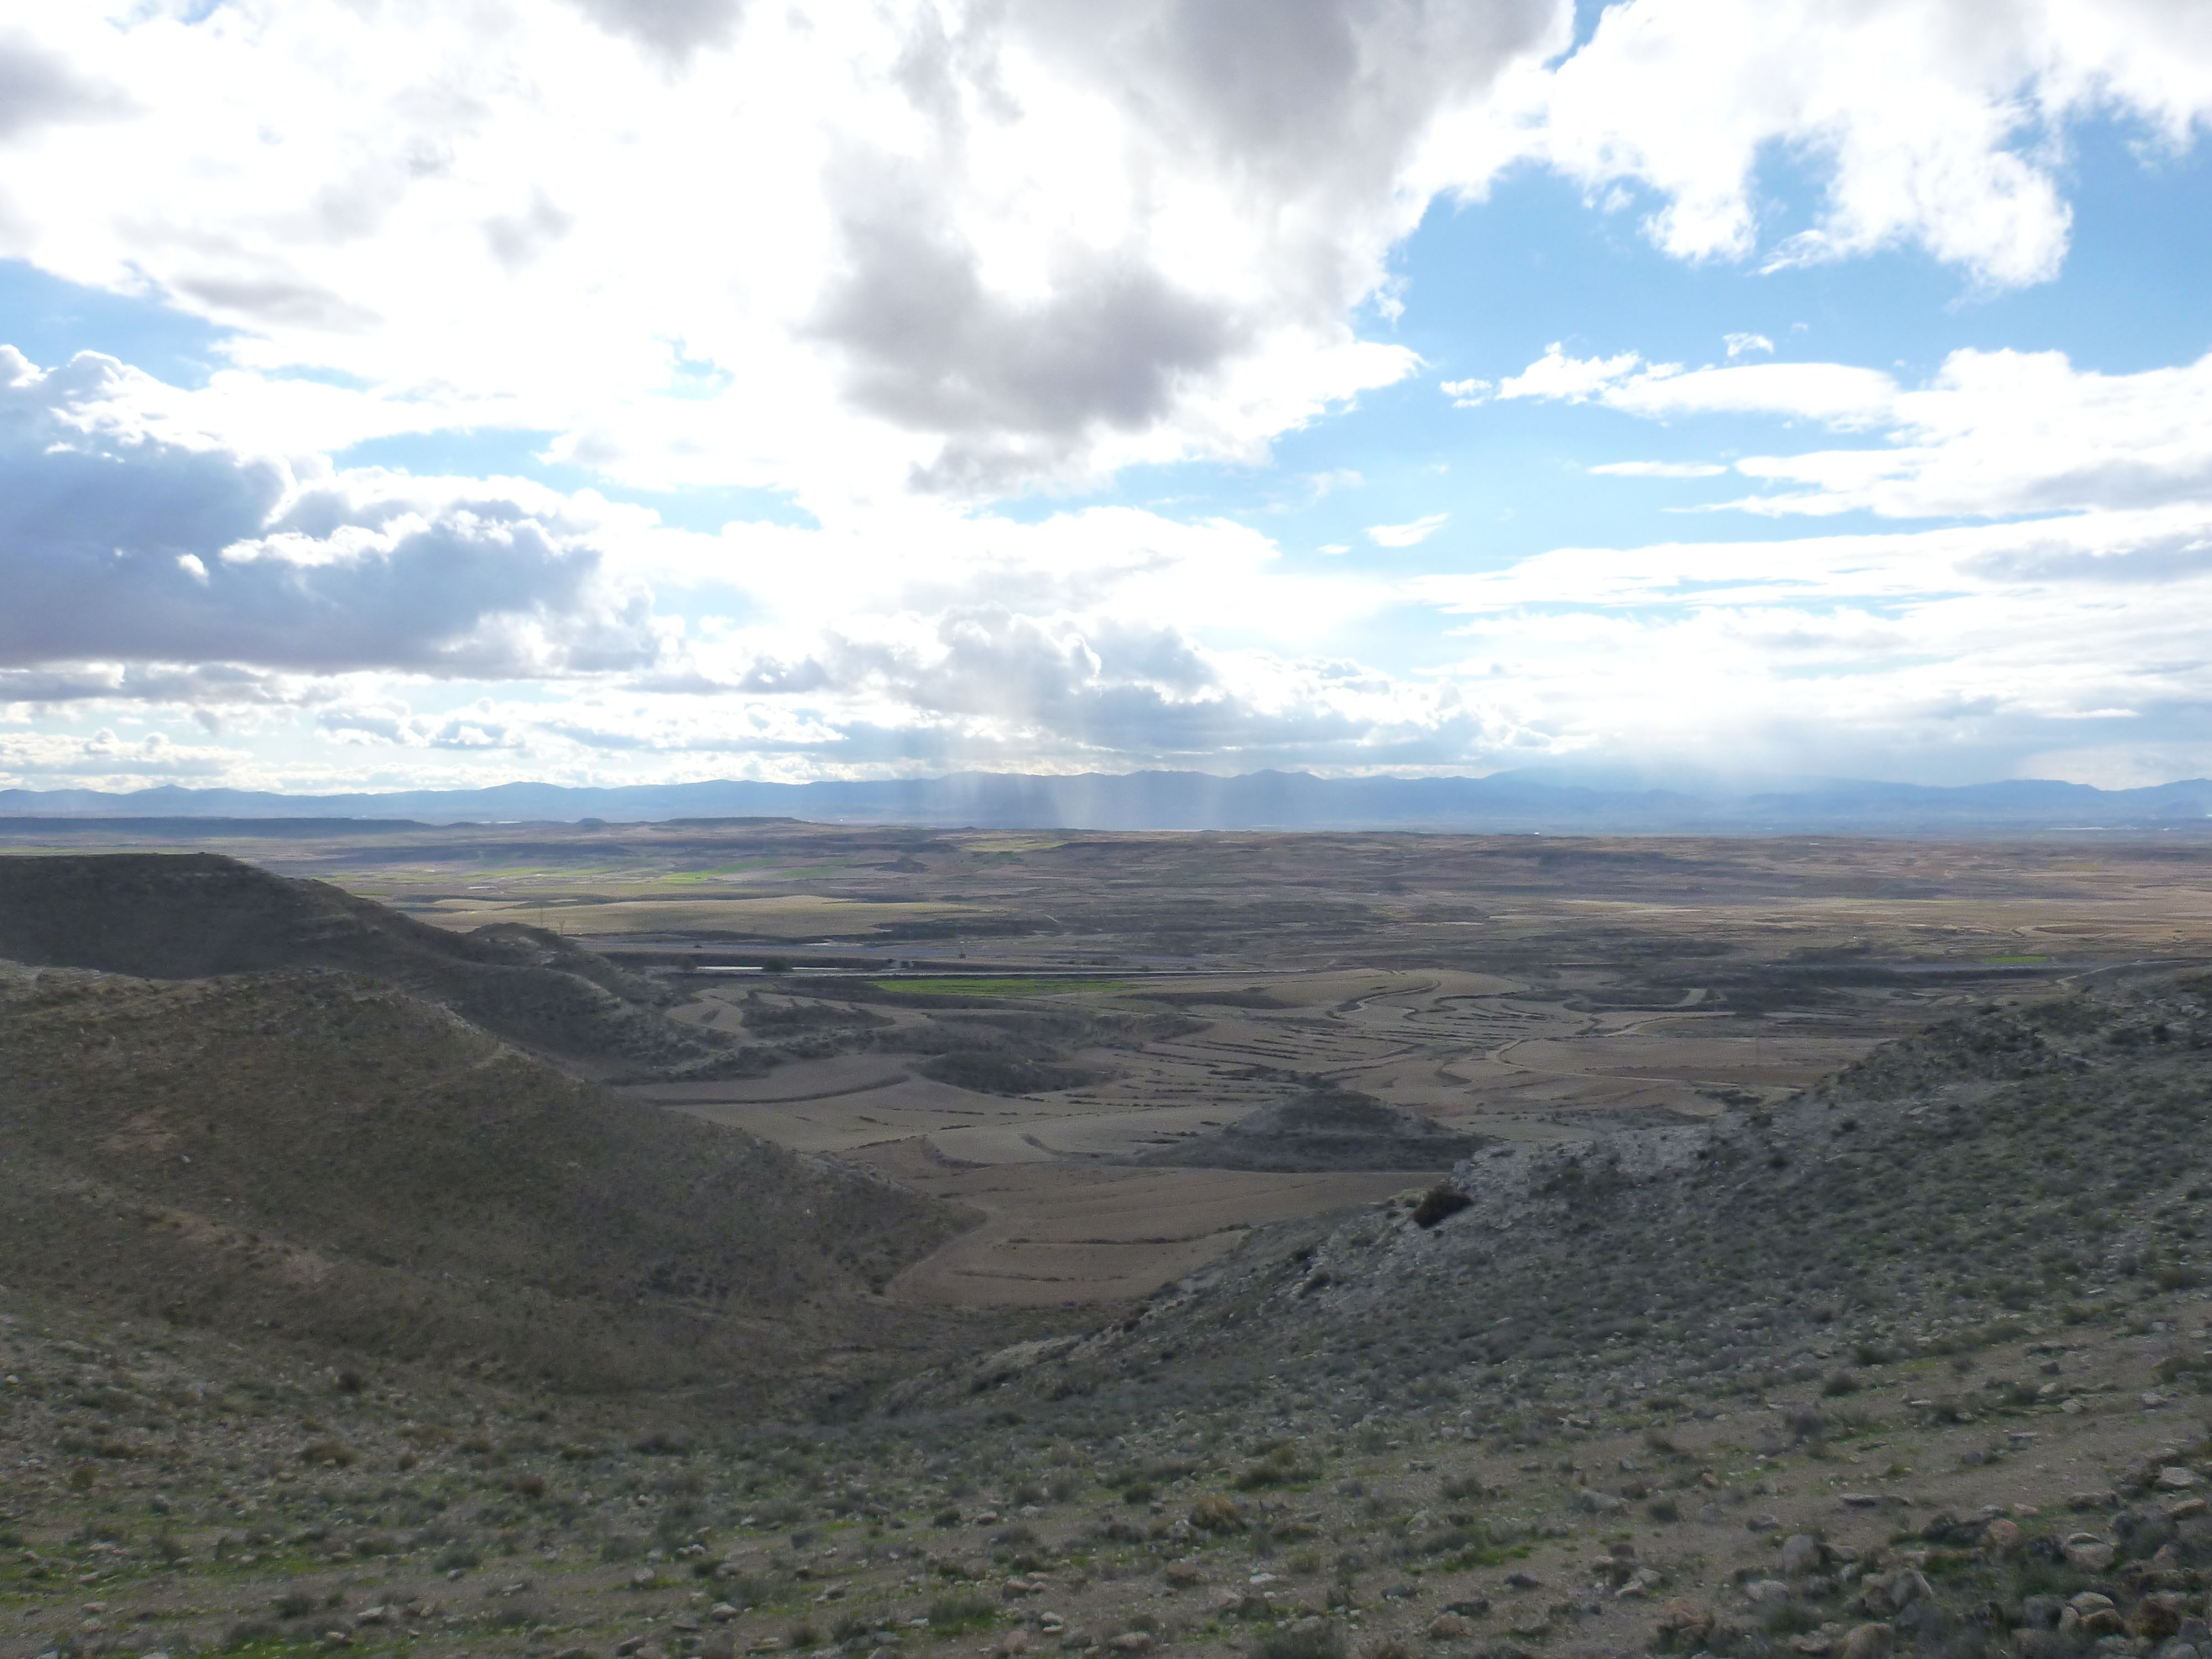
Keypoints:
(802, 1636)
(1326, 1641)
(960, 1610)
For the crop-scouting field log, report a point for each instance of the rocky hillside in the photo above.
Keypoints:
(2025, 1161)
(188, 915)
(319, 1157)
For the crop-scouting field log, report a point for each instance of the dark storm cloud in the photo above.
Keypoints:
(119, 545)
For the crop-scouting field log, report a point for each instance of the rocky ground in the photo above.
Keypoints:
(1915, 1363)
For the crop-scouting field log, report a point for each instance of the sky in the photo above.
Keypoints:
(400, 394)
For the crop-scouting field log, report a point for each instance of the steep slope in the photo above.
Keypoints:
(2025, 1163)
(323, 1158)
(161, 915)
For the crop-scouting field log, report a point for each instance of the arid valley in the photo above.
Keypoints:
(686, 1237)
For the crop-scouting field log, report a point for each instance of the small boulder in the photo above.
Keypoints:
(2087, 1552)
(2174, 1478)
(2001, 1537)
(1182, 1574)
(1801, 1554)
(1449, 1628)
(1867, 1642)
(1132, 1641)
(1683, 1625)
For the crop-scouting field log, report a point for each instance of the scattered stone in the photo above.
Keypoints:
(1182, 1574)
(2001, 1537)
(2087, 1552)
(1012, 1643)
(1683, 1625)
(1801, 1554)
(1523, 1580)
(1867, 1642)
(2174, 1478)
(1859, 1500)
(1449, 1628)
(1765, 1523)
(1133, 1641)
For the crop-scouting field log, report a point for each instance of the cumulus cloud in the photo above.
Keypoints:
(998, 244)
(895, 262)
(125, 538)
(1932, 119)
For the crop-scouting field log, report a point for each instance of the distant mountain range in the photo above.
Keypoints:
(1505, 802)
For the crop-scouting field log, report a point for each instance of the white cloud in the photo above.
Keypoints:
(1938, 655)
(1657, 470)
(1831, 392)
(998, 243)
(1002, 247)
(1406, 535)
(1555, 374)
(1932, 119)
(1991, 433)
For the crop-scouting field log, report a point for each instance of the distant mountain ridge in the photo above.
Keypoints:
(1504, 801)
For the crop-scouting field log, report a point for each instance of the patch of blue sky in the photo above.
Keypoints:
(513, 452)
(50, 320)
(1488, 285)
